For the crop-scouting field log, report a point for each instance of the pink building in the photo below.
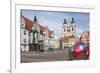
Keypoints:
(85, 38)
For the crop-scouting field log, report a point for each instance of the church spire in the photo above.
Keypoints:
(65, 22)
(35, 19)
(73, 21)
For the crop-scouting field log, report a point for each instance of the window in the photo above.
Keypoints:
(24, 40)
(24, 32)
(22, 25)
(64, 30)
(72, 29)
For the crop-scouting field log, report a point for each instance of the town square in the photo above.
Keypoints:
(53, 36)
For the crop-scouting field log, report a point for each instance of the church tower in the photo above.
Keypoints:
(64, 28)
(68, 33)
(72, 27)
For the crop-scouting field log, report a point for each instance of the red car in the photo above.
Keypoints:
(79, 51)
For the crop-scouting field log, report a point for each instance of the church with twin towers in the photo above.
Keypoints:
(68, 33)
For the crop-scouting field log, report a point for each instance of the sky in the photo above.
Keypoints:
(54, 20)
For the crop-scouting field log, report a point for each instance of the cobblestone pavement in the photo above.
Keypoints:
(36, 56)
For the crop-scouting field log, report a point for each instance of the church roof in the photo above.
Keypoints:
(28, 23)
(73, 21)
(42, 29)
(65, 22)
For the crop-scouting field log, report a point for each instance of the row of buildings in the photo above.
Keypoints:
(35, 37)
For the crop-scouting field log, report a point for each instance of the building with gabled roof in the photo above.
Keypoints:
(34, 36)
(28, 23)
(26, 26)
(85, 37)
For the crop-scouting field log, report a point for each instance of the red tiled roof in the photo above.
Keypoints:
(70, 37)
(28, 23)
(42, 29)
(85, 33)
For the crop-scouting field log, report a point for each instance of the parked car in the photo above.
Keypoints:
(50, 49)
(79, 51)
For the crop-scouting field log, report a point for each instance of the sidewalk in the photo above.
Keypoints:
(34, 56)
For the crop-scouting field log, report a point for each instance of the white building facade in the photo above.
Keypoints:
(24, 36)
(25, 28)
(34, 37)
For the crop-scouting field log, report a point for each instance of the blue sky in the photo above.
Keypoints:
(54, 20)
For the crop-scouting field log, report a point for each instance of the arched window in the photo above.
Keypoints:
(64, 30)
(72, 29)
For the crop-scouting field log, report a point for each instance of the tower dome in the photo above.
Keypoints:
(73, 21)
